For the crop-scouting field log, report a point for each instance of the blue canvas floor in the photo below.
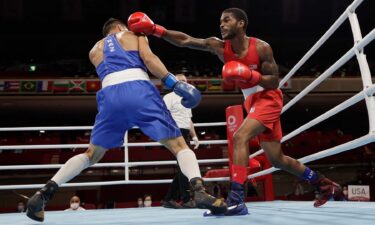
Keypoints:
(267, 213)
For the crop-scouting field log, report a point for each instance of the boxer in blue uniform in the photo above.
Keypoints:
(128, 98)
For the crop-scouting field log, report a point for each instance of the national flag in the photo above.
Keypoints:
(287, 85)
(200, 85)
(28, 86)
(93, 85)
(77, 85)
(44, 86)
(60, 85)
(214, 85)
(12, 86)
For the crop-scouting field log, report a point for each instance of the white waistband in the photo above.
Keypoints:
(124, 76)
(249, 91)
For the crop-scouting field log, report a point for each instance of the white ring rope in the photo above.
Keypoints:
(366, 94)
(64, 146)
(349, 102)
(125, 164)
(322, 154)
(348, 55)
(70, 128)
(359, 44)
(105, 183)
(321, 41)
(101, 165)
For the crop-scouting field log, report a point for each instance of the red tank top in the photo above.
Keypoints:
(251, 58)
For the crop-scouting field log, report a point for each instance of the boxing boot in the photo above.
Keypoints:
(326, 189)
(205, 201)
(36, 204)
(235, 200)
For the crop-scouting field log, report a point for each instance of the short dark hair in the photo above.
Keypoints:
(239, 14)
(110, 24)
(147, 195)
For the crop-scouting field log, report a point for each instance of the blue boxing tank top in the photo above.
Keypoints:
(115, 58)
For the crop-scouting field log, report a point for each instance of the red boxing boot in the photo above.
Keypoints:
(327, 189)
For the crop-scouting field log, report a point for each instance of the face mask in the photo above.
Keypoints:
(74, 205)
(147, 203)
(20, 208)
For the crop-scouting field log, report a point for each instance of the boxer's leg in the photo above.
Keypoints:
(76, 164)
(156, 121)
(72, 167)
(327, 189)
(273, 151)
(235, 200)
(189, 166)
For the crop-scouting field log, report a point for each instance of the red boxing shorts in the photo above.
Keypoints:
(265, 107)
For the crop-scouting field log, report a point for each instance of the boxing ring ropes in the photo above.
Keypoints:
(232, 117)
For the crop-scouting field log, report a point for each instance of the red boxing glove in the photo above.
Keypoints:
(139, 22)
(241, 74)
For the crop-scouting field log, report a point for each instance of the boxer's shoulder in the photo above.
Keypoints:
(95, 54)
(214, 42)
(128, 40)
(215, 45)
(263, 48)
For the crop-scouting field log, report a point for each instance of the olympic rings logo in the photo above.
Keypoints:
(231, 120)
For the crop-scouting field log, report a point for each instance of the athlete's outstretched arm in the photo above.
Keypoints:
(181, 39)
(139, 22)
(152, 62)
(270, 70)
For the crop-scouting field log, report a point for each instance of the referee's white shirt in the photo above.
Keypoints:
(180, 114)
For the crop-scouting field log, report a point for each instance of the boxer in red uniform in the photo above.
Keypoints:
(249, 62)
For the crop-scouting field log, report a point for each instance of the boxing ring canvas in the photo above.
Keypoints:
(268, 213)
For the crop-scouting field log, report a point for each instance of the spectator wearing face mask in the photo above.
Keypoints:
(147, 202)
(75, 204)
(140, 202)
(21, 207)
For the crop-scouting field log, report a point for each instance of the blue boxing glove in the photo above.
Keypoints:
(190, 95)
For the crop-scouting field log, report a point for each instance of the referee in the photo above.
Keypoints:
(180, 187)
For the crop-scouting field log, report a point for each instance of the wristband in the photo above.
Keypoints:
(159, 31)
(169, 80)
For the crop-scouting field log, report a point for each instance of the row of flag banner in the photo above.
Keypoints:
(92, 86)
(45, 86)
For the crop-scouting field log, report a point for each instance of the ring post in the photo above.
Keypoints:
(234, 119)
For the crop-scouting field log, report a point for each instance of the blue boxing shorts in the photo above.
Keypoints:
(128, 104)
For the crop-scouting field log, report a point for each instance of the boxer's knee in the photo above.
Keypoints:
(240, 139)
(95, 153)
(278, 161)
(175, 144)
